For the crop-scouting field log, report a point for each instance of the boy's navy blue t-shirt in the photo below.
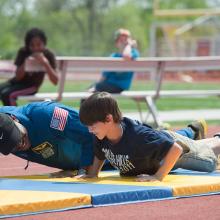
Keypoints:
(139, 151)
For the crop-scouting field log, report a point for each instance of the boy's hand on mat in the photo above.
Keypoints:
(146, 178)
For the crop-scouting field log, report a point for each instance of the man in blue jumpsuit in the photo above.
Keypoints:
(47, 133)
(51, 134)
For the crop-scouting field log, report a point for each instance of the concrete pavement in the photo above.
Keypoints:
(181, 115)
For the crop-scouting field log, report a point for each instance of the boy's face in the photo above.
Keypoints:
(36, 45)
(99, 129)
(121, 41)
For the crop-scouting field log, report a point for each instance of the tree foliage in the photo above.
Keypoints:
(78, 27)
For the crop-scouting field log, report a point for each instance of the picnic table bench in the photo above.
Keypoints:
(155, 66)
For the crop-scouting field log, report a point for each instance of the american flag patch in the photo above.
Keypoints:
(59, 118)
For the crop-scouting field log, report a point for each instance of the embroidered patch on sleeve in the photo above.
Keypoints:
(59, 118)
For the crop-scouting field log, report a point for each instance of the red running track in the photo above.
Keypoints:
(201, 208)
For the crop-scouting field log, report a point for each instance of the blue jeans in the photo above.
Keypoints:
(187, 132)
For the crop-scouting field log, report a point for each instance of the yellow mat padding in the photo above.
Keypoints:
(18, 202)
(182, 185)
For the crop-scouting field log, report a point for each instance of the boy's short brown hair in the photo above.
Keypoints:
(97, 107)
(120, 32)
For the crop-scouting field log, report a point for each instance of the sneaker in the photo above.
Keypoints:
(200, 128)
(217, 135)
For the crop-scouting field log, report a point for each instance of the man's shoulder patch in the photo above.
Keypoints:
(45, 149)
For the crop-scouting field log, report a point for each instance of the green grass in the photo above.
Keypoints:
(129, 105)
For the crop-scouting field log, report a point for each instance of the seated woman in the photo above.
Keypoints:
(27, 82)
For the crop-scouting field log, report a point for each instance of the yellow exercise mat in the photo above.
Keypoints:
(19, 202)
(182, 185)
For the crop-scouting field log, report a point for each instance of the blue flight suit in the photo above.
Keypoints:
(58, 138)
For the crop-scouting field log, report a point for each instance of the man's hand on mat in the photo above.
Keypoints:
(64, 173)
(146, 178)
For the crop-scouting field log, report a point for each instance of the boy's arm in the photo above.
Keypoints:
(94, 169)
(168, 163)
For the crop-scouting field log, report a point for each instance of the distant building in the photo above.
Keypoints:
(200, 37)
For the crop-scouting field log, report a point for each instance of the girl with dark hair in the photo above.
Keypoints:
(28, 81)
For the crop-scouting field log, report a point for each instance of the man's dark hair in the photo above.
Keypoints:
(32, 33)
(97, 107)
